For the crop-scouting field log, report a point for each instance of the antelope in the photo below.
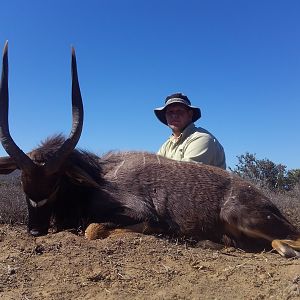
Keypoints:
(66, 188)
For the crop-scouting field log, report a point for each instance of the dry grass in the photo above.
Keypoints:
(13, 208)
(288, 203)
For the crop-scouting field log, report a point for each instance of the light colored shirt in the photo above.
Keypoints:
(194, 144)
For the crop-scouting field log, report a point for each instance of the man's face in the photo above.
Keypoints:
(178, 117)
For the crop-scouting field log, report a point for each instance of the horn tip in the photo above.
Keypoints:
(73, 50)
(5, 47)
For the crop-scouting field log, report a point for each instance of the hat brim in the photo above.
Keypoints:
(160, 113)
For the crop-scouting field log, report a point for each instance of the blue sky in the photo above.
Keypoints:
(238, 60)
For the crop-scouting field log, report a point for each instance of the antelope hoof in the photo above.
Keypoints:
(287, 248)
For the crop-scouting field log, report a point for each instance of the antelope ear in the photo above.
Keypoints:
(81, 177)
(7, 165)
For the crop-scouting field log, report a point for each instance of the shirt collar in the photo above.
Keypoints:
(185, 133)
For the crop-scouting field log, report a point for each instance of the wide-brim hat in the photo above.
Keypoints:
(160, 112)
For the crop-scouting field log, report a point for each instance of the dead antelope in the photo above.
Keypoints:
(138, 191)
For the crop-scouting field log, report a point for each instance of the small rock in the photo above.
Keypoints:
(39, 249)
(11, 270)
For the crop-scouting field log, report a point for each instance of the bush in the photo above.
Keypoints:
(266, 174)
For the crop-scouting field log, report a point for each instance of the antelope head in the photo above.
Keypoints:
(40, 178)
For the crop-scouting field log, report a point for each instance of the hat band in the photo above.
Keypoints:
(180, 100)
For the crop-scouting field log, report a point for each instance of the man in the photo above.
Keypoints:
(188, 143)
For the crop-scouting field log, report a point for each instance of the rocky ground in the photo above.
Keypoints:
(134, 266)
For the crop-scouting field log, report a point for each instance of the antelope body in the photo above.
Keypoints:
(138, 191)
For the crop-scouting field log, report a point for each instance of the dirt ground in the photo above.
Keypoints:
(134, 266)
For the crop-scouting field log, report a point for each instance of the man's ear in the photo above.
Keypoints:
(7, 165)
